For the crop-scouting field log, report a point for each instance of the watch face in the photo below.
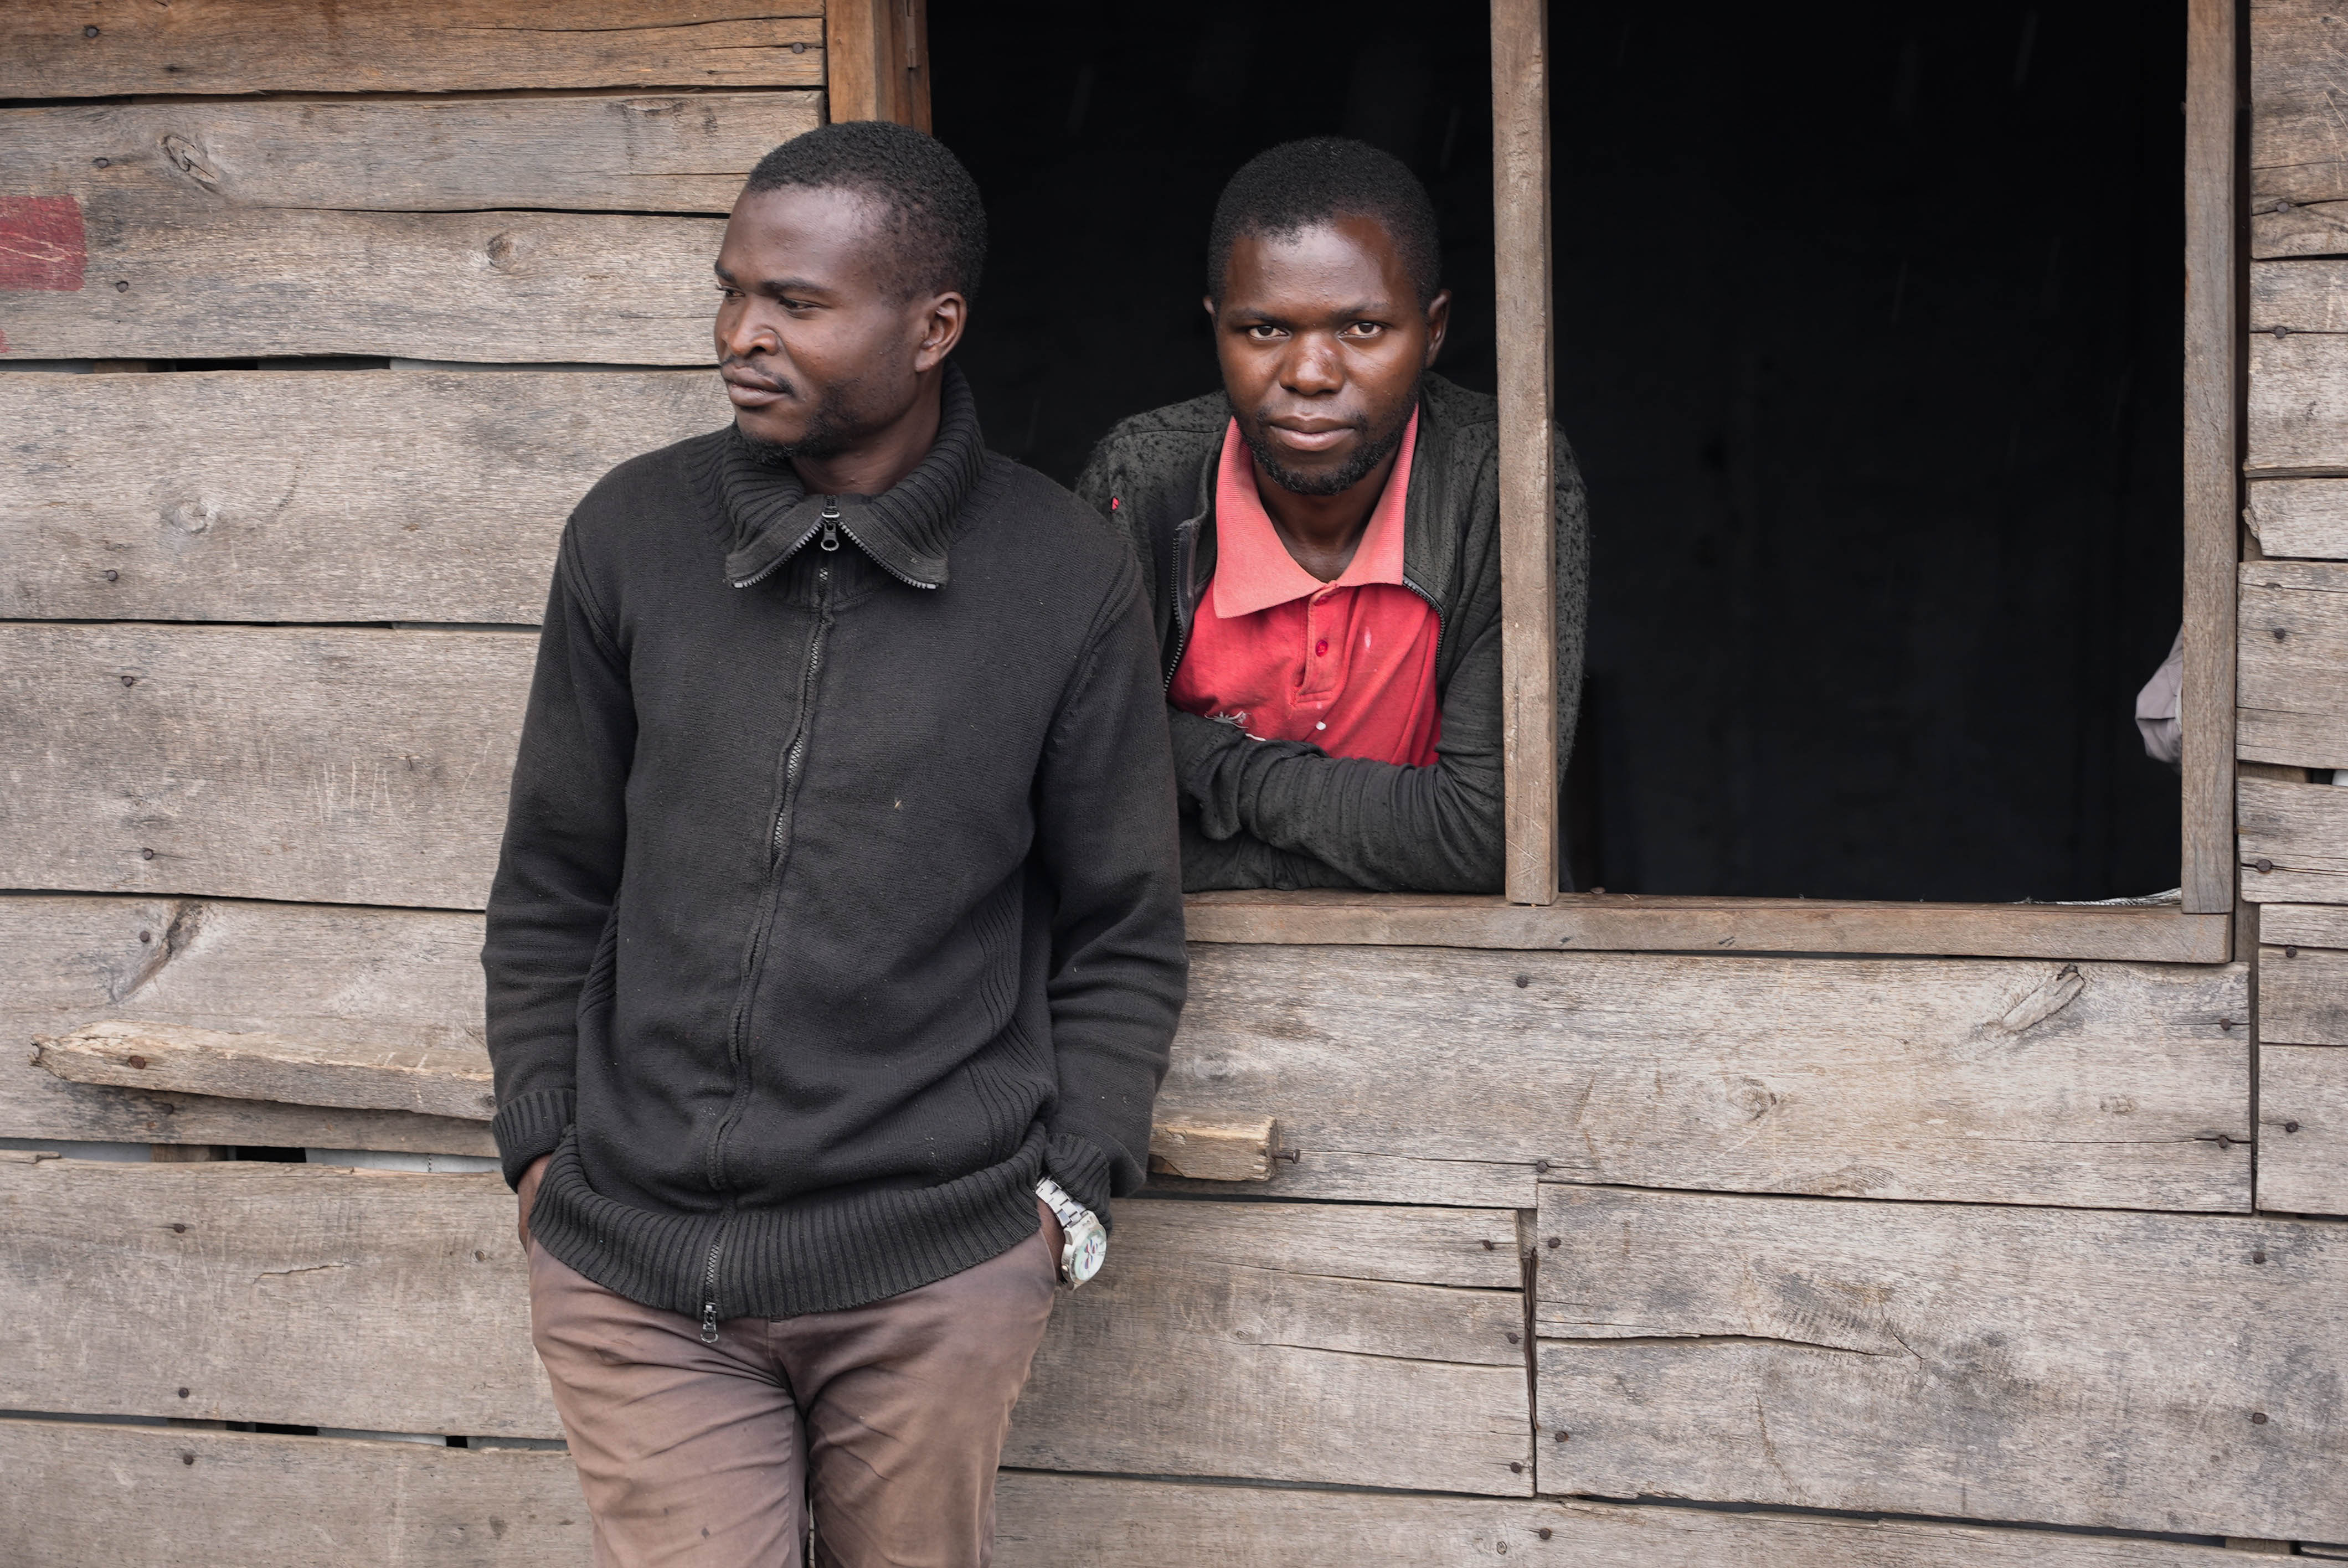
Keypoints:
(1091, 1250)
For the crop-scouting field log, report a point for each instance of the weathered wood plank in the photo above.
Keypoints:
(1602, 922)
(879, 60)
(2298, 404)
(2212, 502)
(2300, 516)
(1346, 1344)
(2295, 646)
(2304, 1128)
(2297, 151)
(1206, 1152)
(254, 1066)
(1527, 375)
(234, 283)
(2308, 925)
(2137, 1372)
(1997, 1081)
(2294, 842)
(104, 48)
(2303, 296)
(344, 766)
(326, 972)
(2302, 996)
(411, 496)
(606, 153)
(1365, 1346)
(127, 1494)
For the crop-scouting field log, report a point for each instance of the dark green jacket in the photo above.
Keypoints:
(1284, 813)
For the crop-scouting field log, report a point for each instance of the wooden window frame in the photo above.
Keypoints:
(1532, 914)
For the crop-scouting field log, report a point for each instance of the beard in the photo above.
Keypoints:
(1376, 449)
(832, 428)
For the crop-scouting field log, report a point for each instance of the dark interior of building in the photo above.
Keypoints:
(1868, 342)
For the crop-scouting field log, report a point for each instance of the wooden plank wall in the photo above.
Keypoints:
(2292, 731)
(1918, 1262)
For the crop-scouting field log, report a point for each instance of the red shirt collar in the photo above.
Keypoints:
(1255, 571)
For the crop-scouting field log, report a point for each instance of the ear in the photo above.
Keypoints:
(1438, 322)
(1210, 303)
(943, 317)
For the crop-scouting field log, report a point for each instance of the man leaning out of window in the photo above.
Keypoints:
(1321, 543)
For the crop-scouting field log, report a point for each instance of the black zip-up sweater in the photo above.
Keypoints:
(840, 897)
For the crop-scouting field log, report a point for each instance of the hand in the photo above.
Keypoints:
(1054, 1236)
(526, 1197)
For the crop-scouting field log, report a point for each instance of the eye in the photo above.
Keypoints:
(1264, 332)
(728, 292)
(1365, 329)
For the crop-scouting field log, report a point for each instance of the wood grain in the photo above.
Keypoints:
(2086, 1368)
(1208, 1152)
(2294, 842)
(331, 766)
(2304, 1128)
(408, 495)
(2302, 996)
(127, 1494)
(486, 287)
(253, 1066)
(2212, 459)
(879, 60)
(1604, 922)
(2308, 925)
(1528, 394)
(2293, 643)
(1303, 1342)
(1976, 1080)
(2300, 296)
(103, 49)
(605, 153)
(2297, 152)
(2298, 405)
(2300, 516)
(1286, 1341)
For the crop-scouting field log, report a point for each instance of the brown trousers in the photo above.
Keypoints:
(888, 1417)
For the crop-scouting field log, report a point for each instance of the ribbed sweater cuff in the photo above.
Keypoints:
(530, 1125)
(1082, 1170)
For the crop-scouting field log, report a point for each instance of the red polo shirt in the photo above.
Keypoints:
(1348, 665)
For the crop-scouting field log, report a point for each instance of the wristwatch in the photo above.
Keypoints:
(1086, 1244)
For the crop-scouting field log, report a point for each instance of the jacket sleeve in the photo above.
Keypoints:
(1436, 829)
(1106, 836)
(558, 868)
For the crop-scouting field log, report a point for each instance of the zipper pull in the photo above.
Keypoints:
(709, 1323)
(832, 523)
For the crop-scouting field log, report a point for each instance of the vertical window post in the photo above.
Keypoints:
(1528, 386)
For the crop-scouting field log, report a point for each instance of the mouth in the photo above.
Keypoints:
(747, 390)
(1311, 435)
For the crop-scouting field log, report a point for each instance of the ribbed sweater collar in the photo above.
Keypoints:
(907, 529)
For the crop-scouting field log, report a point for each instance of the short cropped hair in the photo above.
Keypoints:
(934, 213)
(1299, 185)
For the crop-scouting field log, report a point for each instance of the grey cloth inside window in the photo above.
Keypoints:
(2157, 706)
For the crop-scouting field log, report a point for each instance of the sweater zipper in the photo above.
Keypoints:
(824, 525)
(709, 1291)
(778, 847)
(1431, 605)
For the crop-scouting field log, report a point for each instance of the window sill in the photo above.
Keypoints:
(1618, 922)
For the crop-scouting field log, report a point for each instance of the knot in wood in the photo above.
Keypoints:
(189, 160)
(505, 252)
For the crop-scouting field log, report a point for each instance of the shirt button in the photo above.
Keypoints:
(1322, 646)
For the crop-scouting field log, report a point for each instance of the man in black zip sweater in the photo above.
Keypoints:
(836, 944)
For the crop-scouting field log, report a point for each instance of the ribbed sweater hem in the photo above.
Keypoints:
(820, 1253)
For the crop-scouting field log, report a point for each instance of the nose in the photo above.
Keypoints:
(741, 334)
(1313, 367)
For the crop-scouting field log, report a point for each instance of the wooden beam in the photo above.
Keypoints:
(328, 496)
(1528, 387)
(1206, 1152)
(2213, 458)
(104, 48)
(879, 59)
(1601, 922)
(616, 152)
(2304, 1128)
(2154, 1372)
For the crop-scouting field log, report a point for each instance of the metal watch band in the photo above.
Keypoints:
(1056, 1199)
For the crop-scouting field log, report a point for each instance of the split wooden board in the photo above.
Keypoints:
(2158, 1372)
(1318, 1343)
(2304, 1128)
(2298, 165)
(132, 1495)
(2305, 518)
(2293, 641)
(384, 495)
(104, 48)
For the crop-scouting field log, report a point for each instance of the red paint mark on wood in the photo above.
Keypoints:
(41, 244)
